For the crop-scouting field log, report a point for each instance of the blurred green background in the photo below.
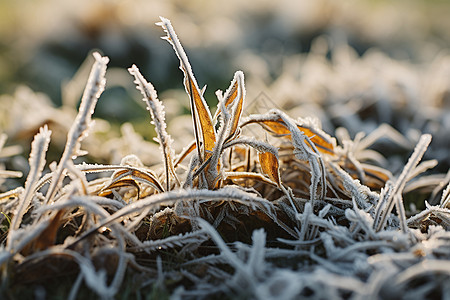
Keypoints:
(44, 42)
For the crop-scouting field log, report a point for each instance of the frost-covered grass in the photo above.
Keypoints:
(254, 205)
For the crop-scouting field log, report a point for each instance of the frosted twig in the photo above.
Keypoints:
(252, 142)
(383, 131)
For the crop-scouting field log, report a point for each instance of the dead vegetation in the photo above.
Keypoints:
(291, 212)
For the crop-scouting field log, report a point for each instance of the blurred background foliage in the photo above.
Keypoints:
(302, 56)
(44, 42)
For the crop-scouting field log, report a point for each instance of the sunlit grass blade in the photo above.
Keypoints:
(375, 177)
(200, 112)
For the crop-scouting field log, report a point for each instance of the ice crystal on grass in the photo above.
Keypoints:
(78, 131)
(39, 148)
(298, 214)
(157, 112)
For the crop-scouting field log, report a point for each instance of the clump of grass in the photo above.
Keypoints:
(230, 215)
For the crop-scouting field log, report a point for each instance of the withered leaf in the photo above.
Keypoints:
(230, 95)
(376, 177)
(234, 98)
(147, 178)
(185, 153)
(270, 166)
(47, 237)
(118, 184)
(202, 117)
(128, 177)
(249, 176)
(200, 112)
(279, 128)
(240, 104)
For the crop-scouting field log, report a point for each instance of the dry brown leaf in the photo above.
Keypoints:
(118, 184)
(229, 96)
(235, 94)
(185, 153)
(279, 128)
(376, 177)
(240, 105)
(202, 116)
(200, 112)
(248, 176)
(147, 178)
(128, 177)
(47, 237)
(270, 166)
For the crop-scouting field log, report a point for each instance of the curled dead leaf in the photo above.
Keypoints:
(270, 166)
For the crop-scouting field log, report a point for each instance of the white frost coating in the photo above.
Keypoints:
(257, 145)
(156, 109)
(36, 161)
(230, 119)
(394, 198)
(78, 130)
